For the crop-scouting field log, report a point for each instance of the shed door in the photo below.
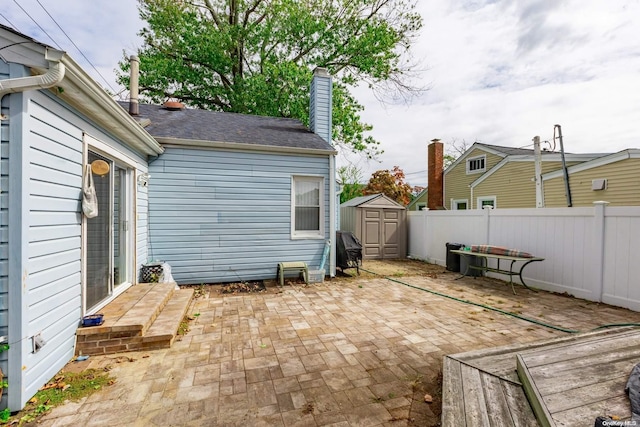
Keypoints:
(372, 233)
(381, 233)
(391, 235)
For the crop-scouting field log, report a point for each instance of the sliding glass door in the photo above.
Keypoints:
(107, 243)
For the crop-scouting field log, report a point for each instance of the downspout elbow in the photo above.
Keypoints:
(52, 77)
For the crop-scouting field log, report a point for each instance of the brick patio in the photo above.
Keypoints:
(358, 352)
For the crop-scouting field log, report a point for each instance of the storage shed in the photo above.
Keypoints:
(380, 224)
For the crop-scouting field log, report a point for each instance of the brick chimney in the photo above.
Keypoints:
(435, 159)
(320, 104)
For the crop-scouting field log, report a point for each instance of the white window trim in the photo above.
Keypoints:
(485, 198)
(470, 159)
(454, 204)
(319, 234)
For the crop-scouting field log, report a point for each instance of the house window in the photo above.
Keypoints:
(307, 195)
(476, 164)
(487, 201)
(459, 205)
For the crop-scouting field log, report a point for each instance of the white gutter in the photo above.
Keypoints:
(332, 215)
(169, 141)
(52, 77)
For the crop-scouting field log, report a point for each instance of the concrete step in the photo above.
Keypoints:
(164, 330)
(143, 317)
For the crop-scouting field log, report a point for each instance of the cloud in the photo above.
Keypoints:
(500, 71)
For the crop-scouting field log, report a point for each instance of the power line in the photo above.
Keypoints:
(35, 22)
(10, 23)
(76, 46)
(415, 173)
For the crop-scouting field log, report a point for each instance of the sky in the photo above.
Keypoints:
(498, 71)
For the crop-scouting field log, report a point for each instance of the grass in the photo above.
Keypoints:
(183, 329)
(66, 386)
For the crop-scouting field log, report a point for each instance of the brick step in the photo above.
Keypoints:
(138, 319)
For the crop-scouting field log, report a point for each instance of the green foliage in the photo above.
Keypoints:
(350, 177)
(66, 386)
(5, 414)
(448, 160)
(257, 56)
(391, 183)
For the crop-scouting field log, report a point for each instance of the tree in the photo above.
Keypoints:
(391, 184)
(350, 177)
(454, 150)
(257, 56)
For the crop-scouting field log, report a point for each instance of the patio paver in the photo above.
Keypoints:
(343, 353)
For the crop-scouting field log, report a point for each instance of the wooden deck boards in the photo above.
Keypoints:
(582, 380)
(577, 378)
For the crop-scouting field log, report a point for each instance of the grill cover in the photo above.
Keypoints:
(348, 250)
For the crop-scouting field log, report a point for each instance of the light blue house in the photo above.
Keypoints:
(228, 197)
(233, 195)
(55, 264)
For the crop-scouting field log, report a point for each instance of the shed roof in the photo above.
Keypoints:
(214, 126)
(373, 200)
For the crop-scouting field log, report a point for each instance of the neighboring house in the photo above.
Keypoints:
(230, 196)
(614, 178)
(502, 177)
(419, 203)
(233, 195)
(55, 264)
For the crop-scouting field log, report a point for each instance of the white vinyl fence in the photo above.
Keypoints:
(591, 253)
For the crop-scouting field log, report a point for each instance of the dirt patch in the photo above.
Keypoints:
(392, 268)
(243, 287)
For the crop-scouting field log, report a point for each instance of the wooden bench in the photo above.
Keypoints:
(485, 267)
(297, 267)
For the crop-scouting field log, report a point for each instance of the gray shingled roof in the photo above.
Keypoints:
(214, 126)
(512, 151)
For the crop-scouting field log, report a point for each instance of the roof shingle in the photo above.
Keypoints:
(214, 126)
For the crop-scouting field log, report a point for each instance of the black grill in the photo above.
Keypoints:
(348, 251)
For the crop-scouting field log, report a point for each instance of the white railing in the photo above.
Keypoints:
(589, 252)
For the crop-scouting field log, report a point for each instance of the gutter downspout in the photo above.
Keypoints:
(332, 214)
(17, 271)
(52, 77)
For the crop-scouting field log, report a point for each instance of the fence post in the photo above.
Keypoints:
(599, 230)
(487, 224)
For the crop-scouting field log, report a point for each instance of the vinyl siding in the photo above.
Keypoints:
(414, 205)
(513, 184)
(320, 107)
(222, 216)
(4, 225)
(142, 215)
(623, 187)
(456, 180)
(53, 143)
(54, 290)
